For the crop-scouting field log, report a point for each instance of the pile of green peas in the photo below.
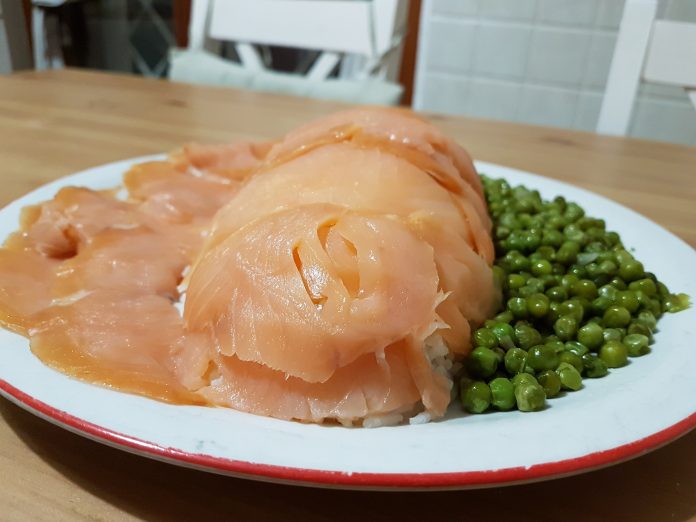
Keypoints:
(576, 303)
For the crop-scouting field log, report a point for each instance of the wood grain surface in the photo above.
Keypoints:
(55, 123)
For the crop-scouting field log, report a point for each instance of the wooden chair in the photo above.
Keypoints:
(360, 39)
(659, 51)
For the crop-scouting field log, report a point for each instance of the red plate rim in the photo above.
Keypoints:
(356, 480)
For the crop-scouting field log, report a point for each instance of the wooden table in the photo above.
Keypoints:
(55, 123)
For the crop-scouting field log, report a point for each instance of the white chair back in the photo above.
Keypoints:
(659, 51)
(372, 30)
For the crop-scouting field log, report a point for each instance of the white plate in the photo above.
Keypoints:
(634, 410)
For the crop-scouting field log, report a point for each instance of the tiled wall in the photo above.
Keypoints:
(539, 61)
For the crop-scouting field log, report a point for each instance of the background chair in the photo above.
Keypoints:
(357, 43)
(657, 51)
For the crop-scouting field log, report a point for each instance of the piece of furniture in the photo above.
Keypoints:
(661, 51)
(362, 40)
(53, 123)
(15, 52)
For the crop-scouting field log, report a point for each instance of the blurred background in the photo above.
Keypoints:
(544, 62)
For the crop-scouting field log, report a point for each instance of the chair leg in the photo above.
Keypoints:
(38, 30)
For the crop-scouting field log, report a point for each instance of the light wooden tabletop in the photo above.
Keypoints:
(55, 123)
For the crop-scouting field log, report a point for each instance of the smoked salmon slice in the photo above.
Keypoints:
(333, 275)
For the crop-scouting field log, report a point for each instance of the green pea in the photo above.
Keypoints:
(565, 327)
(567, 253)
(573, 308)
(647, 319)
(483, 362)
(636, 344)
(629, 300)
(541, 267)
(647, 286)
(618, 284)
(569, 376)
(504, 317)
(568, 280)
(485, 337)
(527, 336)
(530, 397)
(550, 382)
(591, 336)
(505, 334)
(638, 328)
(612, 334)
(552, 238)
(594, 366)
(537, 305)
(502, 394)
(607, 267)
(616, 317)
(515, 360)
(608, 291)
(614, 354)
(676, 303)
(557, 294)
(631, 270)
(518, 306)
(523, 378)
(572, 359)
(576, 347)
(542, 357)
(600, 305)
(475, 396)
(515, 281)
(584, 288)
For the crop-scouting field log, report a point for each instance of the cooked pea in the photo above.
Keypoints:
(629, 300)
(647, 319)
(542, 357)
(567, 253)
(502, 394)
(600, 305)
(618, 283)
(530, 397)
(557, 294)
(515, 359)
(647, 286)
(569, 376)
(515, 281)
(616, 317)
(591, 335)
(576, 347)
(572, 359)
(518, 307)
(631, 270)
(612, 334)
(614, 354)
(565, 327)
(638, 328)
(568, 280)
(483, 362)
(527, 336)
(594, 366)
(584, 288)
(503, 332)
(550, 382)
(676, 303)
(504, 317)
(552, 238)
(537, 305)
(541, 267)
(523, 378)
(608, 291)
(485, 337)
(636, 344)
(573, 308)
(475, 396)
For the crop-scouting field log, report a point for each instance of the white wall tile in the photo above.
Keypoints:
(446, 94)
(506, 9)
(665, 121)
(665, 92)
(451, 46)
(609, 13)
(682, 10)
(455, 7)
(501, 50)
(567, 12)
(491, 99)
(557, 56)
(599, 60)
(587, 113)
(547, 106)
